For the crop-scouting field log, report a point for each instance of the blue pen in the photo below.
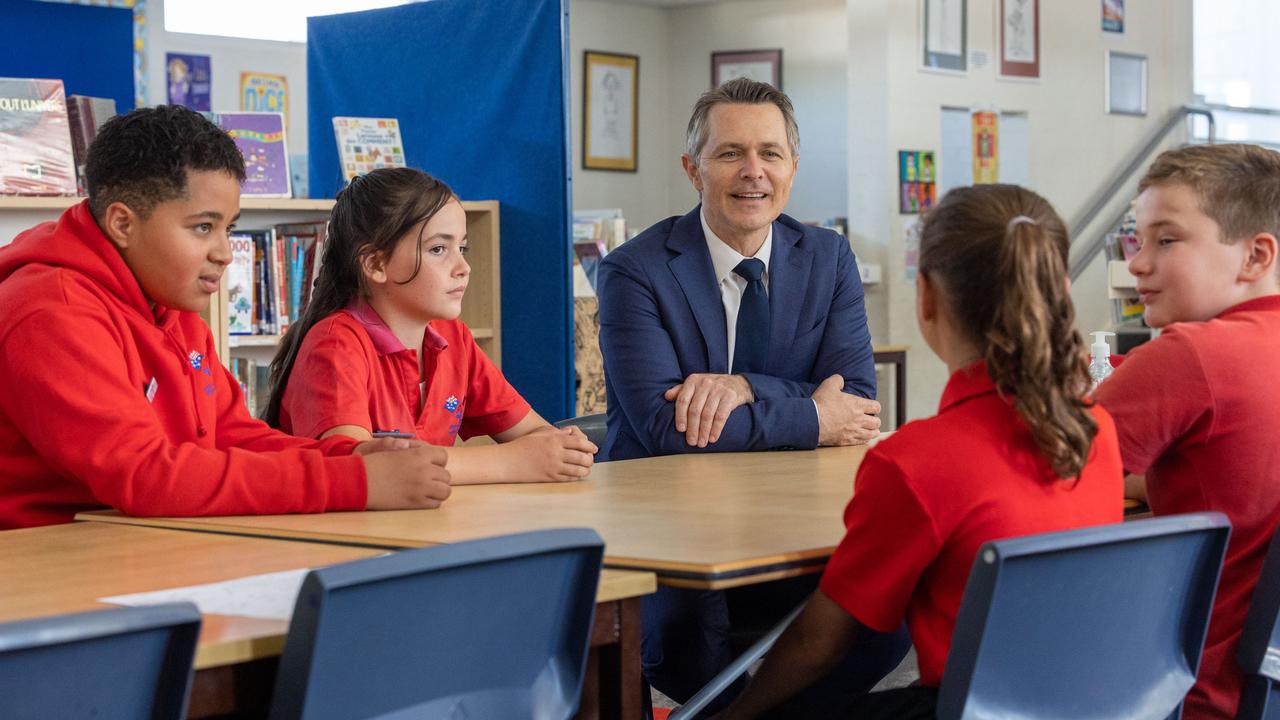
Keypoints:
(393, 434)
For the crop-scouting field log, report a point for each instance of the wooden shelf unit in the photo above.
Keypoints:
(481, 310)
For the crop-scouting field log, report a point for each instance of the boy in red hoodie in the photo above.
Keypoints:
(1197, 408)
(111, 393)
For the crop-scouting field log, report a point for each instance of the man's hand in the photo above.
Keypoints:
(844, 419)
(703, 403)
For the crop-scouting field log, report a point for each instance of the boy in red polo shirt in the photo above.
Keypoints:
(1197, 409)
(110, 391)
(1015, 449)
(380, 348)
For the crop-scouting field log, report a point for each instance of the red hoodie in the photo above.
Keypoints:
(106, 402)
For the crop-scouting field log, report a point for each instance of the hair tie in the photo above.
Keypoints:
(1018, 221)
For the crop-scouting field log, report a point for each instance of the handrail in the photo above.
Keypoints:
(1118, 181)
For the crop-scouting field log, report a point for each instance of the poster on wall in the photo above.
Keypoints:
(944, 35)
(1019, 43)
(759, 65)
(188, 80)
(986, 148)
(264, 92)
(917, 181)
(911, 241)
(1113, 16)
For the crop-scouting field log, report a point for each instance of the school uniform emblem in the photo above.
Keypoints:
(197, 362)
(451, 404)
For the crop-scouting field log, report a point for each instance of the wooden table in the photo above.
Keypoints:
(66, 568)
(895, 355)
(699, 520)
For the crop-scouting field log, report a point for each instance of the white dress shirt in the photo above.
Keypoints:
(723, 260)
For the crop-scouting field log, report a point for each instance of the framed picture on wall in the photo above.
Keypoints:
(761, 65)
(610, 111)
(1113, 16)
(944, 27)
(1019, 39)
(1126, 83)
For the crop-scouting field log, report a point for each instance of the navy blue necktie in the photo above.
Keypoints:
(751, 343)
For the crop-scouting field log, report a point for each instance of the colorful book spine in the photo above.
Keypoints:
(240, 295)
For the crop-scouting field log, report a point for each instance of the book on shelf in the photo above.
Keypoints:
(86, 115)
(271, 276)
(1122, 244)
(261, 139)
(35, 139)
(254, 378)
(366, 144)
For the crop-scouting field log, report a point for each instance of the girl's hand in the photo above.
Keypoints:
(553, 455)
(407, 479)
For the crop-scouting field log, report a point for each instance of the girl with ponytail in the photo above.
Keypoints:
(1016, 448)
(380, 351)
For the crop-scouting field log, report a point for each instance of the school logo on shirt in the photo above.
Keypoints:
(197, 362)
(454, 405)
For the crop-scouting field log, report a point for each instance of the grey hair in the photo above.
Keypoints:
(741, 91)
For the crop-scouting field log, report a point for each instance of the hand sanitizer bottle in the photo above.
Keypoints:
(1099, 358)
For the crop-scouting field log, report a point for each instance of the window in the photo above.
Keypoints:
(1233, 39)
(257, 20)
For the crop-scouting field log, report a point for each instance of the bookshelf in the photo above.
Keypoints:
(481, 309)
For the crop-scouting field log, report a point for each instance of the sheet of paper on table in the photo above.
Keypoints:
(270, 596)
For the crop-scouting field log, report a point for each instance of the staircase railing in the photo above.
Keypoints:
(1105, 195)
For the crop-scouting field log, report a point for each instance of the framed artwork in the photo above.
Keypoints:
(762, 65)
(944, 33)
(917, 181)
(1113, 16)
(1019, 39)
(1126, 83)
(610, 111)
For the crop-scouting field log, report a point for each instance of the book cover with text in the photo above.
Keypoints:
(366, 144)
(35, 139)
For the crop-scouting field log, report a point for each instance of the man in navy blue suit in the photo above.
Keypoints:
(670, 327)
(732, 328)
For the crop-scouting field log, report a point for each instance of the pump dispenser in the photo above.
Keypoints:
(1099, 357)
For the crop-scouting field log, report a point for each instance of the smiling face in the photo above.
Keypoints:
(435, 293)
(744, 172)
(1186, 273)
(179, 252)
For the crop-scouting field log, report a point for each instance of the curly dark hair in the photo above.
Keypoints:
(142, 158)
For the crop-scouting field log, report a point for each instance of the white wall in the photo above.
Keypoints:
(814, 41)
(1074, 145)
(228, 58)
(633, 30)
(675, 47)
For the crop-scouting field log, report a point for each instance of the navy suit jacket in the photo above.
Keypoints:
(661, 320)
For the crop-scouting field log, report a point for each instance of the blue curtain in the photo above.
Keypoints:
(88, 48)
(481, 91)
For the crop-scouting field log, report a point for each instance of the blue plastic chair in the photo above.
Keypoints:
(593, 426)
(126, 663)
(1101, 622)
(495, 628)
(1259, 650)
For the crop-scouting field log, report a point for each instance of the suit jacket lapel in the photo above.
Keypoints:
(789, 268)
(692, 269)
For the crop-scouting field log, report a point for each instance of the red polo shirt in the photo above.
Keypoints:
(352, 370)
(927, 497)
(1197, 411)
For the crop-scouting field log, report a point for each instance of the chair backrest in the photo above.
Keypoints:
(1259, 650)
(494, 628)
(594, 427)
(125, 663)
(1100, 622)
